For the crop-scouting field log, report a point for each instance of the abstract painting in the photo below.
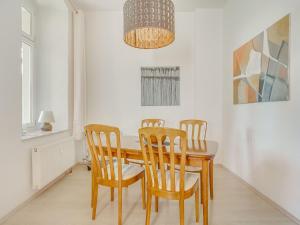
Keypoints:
(261, 66)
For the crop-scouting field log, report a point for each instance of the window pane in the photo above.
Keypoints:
(26, 21)
(26, 83)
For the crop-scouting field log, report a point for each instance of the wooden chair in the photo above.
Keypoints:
(163, 183)
(199, 129)
(152, 123)
(147, 123)
(105, 171)
(196, 130)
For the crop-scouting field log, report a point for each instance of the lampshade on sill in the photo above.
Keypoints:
(46, 117)
(149, 24)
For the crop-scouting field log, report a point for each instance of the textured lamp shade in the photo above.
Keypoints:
(46, 117)
(149, 24)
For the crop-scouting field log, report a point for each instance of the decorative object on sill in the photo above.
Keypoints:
(261, 66)
(160, 86)
(46, 118)
(149, 24)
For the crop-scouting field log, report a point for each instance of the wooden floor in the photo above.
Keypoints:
(68, 203)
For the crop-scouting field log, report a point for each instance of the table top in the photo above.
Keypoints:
(197, 148)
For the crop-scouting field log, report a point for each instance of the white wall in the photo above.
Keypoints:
(208, 66)
(15, 155)
(113, 71)
(261, 141)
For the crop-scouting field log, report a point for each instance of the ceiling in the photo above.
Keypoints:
(117, 5)
(54, 4)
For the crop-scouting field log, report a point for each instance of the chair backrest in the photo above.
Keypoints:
(152, 123)
(99, 139)
(198, 128)
(159, 154)
(197, 145)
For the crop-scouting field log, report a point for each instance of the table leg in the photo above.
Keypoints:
(211, 179)
(205, 190)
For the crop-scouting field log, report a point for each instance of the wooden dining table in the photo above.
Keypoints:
(200, 153)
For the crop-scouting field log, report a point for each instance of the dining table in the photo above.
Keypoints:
(200, 153)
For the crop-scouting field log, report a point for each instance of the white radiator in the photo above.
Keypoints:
(52, 160)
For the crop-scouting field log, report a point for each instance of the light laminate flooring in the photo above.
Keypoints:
(68, 203)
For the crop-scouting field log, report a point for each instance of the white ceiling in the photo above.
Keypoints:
(180, 5)
(55, 4)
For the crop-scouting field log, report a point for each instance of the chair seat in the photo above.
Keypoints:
(190, 179)
(191, 169)
(128, 171)
(136, 161)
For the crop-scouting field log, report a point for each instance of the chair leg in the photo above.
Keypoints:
(148, 209)
(211, 179)
(143, 192)
(92, 189)
(112, 194)
(181, 209)
(201, 186)
(95, 200)
(197, 205)
(156, 198)
(119, 205)
(156, 204)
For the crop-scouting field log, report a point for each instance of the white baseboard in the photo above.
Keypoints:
(264, 197)
(36, 195)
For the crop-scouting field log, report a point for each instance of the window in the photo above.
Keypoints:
(45, 64)
(26, 84)
(160, 86)
(27, 69)
(26, 21)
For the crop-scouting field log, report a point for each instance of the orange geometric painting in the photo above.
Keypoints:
(261, 66)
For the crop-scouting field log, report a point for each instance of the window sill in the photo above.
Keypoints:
(39, 133)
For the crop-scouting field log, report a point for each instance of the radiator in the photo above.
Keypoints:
(51, 160)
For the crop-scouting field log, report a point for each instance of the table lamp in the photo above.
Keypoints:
(46, 118)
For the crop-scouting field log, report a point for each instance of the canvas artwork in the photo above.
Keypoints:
(160, 86)
(261, 66)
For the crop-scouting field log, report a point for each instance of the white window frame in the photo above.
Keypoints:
(31, 23)
(29, 40)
